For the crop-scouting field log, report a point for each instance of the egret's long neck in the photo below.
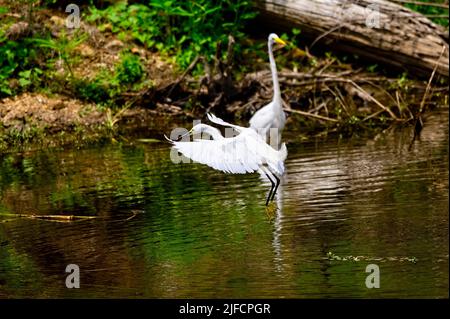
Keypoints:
(215, 133)
(273, 68)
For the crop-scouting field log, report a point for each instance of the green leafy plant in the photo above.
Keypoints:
(96, 90)
(63, 45)
(437, 14)
(29, 77)
(129, 70)
(183, 29)
(107, 85)
(18, 64)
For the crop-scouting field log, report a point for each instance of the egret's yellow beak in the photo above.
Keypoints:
(279, 41)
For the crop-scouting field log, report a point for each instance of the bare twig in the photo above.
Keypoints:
(427, 90)
(186, 72)
(325, 34)
(318, 108)
(326, 66)
(300, 75)
(319, 117)
(214, 103)
(370, 97)
(418, 122)
(340, 98)
(372, 115)
(229, 61)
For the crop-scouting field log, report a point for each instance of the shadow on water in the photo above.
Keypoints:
(185, 230)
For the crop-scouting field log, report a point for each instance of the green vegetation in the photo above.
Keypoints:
(179, 29)
(33, 64)
(18, 70)
(42, 56)
(40, 60)
(129, 70)
(106, 86)
(64, 48)
(437, 14)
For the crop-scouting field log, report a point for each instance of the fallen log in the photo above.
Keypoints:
(379, 30)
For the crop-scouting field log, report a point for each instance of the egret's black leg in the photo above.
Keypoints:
(271, 188)
(276, 187)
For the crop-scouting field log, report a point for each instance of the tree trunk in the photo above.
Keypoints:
(376, 29)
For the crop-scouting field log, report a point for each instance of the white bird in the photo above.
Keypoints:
(271, 115)
(245, 153)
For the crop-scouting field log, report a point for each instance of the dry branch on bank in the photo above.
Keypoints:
(330, 93)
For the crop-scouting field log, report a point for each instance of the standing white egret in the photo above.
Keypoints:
(271, 115)
(242, 154)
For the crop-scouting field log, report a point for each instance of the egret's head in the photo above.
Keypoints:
(273, 38)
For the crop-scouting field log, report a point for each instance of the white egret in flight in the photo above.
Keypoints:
(271, 115)
(245, 153)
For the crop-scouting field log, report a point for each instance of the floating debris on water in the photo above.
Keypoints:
(148, 140)
(332, 256)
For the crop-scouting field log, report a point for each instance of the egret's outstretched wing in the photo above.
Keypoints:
(242, 154)
(219, 121)
(230, 155)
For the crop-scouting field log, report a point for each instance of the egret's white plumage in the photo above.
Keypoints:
(245, 153)
(271, 115)
(219, 121)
